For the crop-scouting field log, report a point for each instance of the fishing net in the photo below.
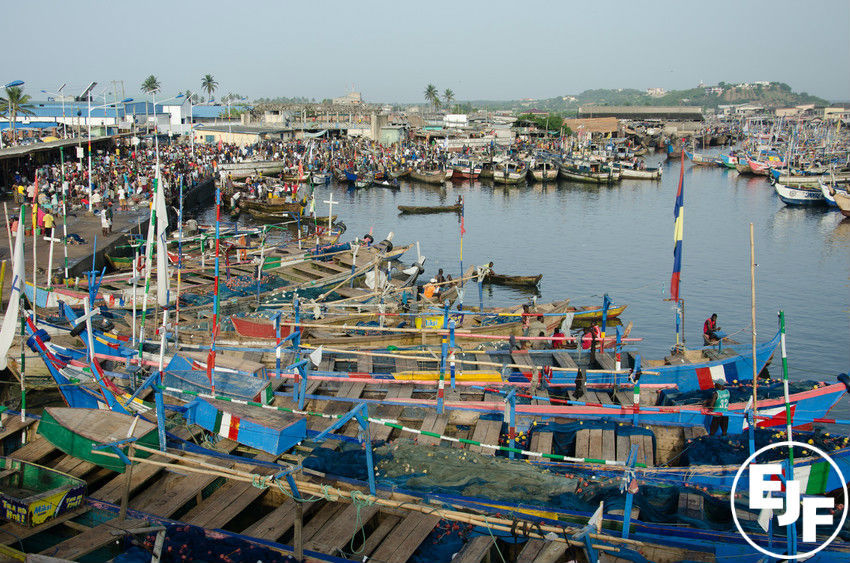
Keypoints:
(189, 543)
(446, 539)
(233, 287)
(737, 393)
(734, 450)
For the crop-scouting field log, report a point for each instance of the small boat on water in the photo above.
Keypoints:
(31, 495)
(703, 160)
(636, 171)
(591, 173)
(544, 171)
(390, 183)
(524, 281)
(422, 209)
(842, 200)
(799, 196)
(510, 173)
(249, 167)
(430, 175)
(276, 205)
(320, 178)
(465, 169)
(728, 160)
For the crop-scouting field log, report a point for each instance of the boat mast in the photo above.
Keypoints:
(753, 320)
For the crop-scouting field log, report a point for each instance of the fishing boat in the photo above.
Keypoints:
(703, 160)
(799, 196)
(486, 170)
(268, 430)
(320, 178)
(465, 169)
(728, 160)
(632, 170)
(31, 494)
(422, 209)
(81, 432)
(391, 183)
(544, 171)
(842, 200)
(250, 167)
(510, 172)
(429, 175)
(590, 173)
(278, 205)
(502, 279)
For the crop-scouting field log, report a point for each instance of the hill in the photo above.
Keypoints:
(767, 94)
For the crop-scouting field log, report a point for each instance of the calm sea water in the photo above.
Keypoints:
(589, 240)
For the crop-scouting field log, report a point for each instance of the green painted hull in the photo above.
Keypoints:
(73, 443)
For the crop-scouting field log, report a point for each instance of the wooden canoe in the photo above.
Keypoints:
(278, 205)
(31, 494)
(419, 209)
(75, 431)
(502, 279)
(842, 200)
(429, 176)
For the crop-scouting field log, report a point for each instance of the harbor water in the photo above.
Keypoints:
(588, 240)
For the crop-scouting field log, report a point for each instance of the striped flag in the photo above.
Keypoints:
(226, 425)
(462, 229)
(678, 231)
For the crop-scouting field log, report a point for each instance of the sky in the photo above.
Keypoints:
(390, 51)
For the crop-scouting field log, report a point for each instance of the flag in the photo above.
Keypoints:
(678, 231)
(462, 229)
(10, 320)
(316, 356)
(596, 520)
(161, 255)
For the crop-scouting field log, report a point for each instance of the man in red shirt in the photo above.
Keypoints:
(709, 329)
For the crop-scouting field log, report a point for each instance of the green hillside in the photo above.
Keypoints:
(773, 94)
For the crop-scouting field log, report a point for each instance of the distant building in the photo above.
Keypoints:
(687, 113)
(352, 98)
(598, 125)
(455, 120)
(655, 92)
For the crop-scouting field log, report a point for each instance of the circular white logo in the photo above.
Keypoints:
(789, 501)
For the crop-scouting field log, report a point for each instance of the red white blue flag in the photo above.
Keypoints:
(678, 231)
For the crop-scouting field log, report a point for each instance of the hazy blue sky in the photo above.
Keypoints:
(389, 51)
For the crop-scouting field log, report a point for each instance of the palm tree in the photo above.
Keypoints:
(15, 103)
(449, 96)
(151, 85)
(209, 84)
(432, 95)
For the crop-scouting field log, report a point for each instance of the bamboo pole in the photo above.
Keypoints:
(753, 318)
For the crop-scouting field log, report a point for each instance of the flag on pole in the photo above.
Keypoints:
(10, 320)
(462, 229)
(678, 231)
(161, 228)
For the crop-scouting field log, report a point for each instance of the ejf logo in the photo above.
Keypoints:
(766, 488)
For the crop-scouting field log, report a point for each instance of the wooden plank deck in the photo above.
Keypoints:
(338, 533)
(379, 431)
(486, 432)
(606, 361)
(274, 524)
(475, 551)
(564, 360)
(433, 423)
(90, 540)
(407, 536)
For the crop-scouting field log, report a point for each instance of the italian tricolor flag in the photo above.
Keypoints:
(813, 477)
(226, 425)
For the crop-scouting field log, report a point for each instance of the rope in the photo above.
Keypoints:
(359, 502)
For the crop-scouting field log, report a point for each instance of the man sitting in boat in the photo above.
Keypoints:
(709, 330)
